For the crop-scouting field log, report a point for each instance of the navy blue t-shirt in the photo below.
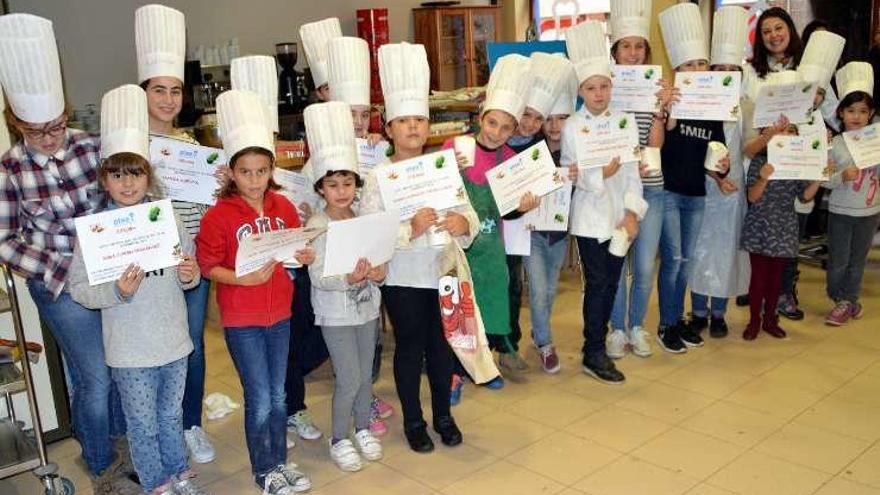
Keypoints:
(684, 154)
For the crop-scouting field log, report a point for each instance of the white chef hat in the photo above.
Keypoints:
(257, 73)
(820, 57)
(509, 85)
(330, 131)
(315, 36)
(125, 123)
(549, 72)
(730, 34)
(30, 71)
(855, 76)
(567, 95)
(242, 119)
(160, 38)
(588, 50)
(348, 65)
(5, 141)
(683, 33)
(406, 80)
(630, 18)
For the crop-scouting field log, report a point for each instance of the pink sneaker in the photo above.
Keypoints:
(377, 425)
(381, 408)
(855, 310)
(840, 314)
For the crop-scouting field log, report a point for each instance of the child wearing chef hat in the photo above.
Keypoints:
(315, 37)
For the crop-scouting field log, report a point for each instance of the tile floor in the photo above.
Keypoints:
(798, 416)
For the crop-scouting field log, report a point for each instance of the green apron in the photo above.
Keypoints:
(488, 261)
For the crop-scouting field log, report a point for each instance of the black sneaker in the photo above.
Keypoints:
(698, 323)
(418, 439)
(669, 339)
(689, 334)
(602, 368)
(742, 300)
(450, 435)
(718, 328)
(788, 308)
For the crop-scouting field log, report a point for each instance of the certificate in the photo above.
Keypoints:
(278, 245)
(144, 234)
(532, 170)
(794, 100)
(296, 187)
(370, 156)
(707, 95)
(552, 215)
(635, 88)
(517, 238)
(797, 157)
(602, 139)
(864, 145)
(814, 128)
(186, 171)
(370, 236)
(427, 181)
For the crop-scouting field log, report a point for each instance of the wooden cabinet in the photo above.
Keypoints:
(455, 39)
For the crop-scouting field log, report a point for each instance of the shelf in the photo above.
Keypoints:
(18, 451)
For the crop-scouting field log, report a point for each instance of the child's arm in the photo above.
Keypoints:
(100, 296)
(188, 274)
(759, 184)
(809, 192)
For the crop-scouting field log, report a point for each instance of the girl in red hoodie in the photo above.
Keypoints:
(254, 308)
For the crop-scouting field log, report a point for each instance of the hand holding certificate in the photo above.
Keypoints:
(427, 181)
(145, 235)
(186, 171)
(296, 187)
(370, 236)
(635, 88)
(531, 171)
(794, 101)
(278, 245)
(552, 215)
(864, 145)
(797, 157)
(605, 138)
(707, 95)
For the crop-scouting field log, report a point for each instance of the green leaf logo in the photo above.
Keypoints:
(536, 153)
(438, 163)
(623, 123)
(212, 158)
(559, 218)
(649, 73)
(727, 81)
(816, 144)
(153, 215)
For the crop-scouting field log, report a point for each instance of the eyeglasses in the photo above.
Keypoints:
(38, 134)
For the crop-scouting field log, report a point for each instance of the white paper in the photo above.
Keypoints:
(427, 181)
(707, 96)
(814, 128)
(794, 100)
(532, 170)
(279, 245)
(370, 236)
(186, 171)
(370, 156)
(517, 239)
(635, 88)
(604, 138)
(797, 157)
(144, 235)
(297, 188)
(553, 214)
(864, 145)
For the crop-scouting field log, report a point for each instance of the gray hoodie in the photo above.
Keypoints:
(858, 198)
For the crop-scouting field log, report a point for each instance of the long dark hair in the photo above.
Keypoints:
(852, 99)
(230, 189)
(760, 54)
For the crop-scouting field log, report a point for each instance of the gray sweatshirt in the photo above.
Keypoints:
(858, 198)
(150, 328)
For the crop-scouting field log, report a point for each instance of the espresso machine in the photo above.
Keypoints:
(293, 92)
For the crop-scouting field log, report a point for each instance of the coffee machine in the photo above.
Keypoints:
(293, 92)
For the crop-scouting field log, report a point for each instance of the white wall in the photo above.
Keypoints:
(96, 37)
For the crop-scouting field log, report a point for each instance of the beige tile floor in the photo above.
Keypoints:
(800, 416)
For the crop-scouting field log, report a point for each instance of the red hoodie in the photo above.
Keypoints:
(224, 224)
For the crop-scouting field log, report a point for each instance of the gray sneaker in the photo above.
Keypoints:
(115, 481)
(512, 361)
(297, 480)
(276, 484)
(186, 487)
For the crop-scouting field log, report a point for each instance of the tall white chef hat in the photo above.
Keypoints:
(406, 80)
(855, 76)
(330, 131)
(30, 71)
(730, 33)
(348, 67)
(567, 96)
(315, 36)
(257, 73)
(509, 85)
(820, 57)
(125, 123)
(549, 76)
(160, 37)
(630, 18)
(588, 50)
(683, 33)
(242, 119)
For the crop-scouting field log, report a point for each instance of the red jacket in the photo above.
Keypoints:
(224, 224)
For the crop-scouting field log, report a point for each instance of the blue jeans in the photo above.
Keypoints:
(194, 393)
(260, 357)
(682, 219)
(700, 305)
(77, 331)
(601, 273)
(543, 267)
(643, 259)
(151, 399)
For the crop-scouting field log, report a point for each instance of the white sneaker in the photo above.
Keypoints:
(200, 449)
(276, 484)
(302, 423)
(638, 340)
(186, 487)
(370, 446)
(615, 344)
(299, 481)
(345, 456)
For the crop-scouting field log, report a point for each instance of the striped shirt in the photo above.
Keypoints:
(190, 214)
(645, 120)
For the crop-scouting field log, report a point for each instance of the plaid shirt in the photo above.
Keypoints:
(39, 197)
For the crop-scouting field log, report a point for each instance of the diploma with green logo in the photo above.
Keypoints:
(707, 95)
(794, 101)
(427, 181)
(297, 188)
(531, 171)
(553, 213)
(602, 139)
(186, 171)
(276, 245)
(635, 88)
(797, 157)
(145, 235)
(864, 145)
